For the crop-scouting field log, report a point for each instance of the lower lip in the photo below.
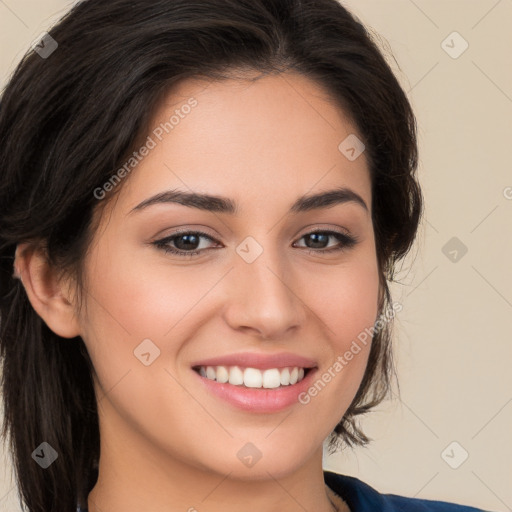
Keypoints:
(261, 400)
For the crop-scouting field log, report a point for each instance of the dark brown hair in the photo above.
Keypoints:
(68, 120)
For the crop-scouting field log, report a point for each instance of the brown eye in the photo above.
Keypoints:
(319, 240)
(183, 243)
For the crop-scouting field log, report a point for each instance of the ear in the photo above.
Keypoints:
(49, 297)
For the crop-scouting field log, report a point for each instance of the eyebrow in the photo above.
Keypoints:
(219, 204)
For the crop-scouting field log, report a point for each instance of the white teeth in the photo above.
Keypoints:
(236, 376)
(285, 377)
(210, 372)
(253, 377)
(271, 378)
(222, 374)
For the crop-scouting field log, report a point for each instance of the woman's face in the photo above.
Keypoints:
(256, 283)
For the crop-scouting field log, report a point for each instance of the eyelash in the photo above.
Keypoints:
(347, 242)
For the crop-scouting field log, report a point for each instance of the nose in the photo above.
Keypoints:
(262, 299)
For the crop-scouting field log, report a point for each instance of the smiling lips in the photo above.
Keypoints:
(257, 382)
(254, 370)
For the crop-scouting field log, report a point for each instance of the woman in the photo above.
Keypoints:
(202, 205)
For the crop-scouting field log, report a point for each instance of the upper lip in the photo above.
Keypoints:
(259, 360)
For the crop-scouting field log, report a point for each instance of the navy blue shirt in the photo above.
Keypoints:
(360, 497)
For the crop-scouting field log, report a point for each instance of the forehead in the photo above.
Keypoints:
(269, 140)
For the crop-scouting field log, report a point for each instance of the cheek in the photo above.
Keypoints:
(140, 299)
(346, 303)
(345, 299)
(352, 307)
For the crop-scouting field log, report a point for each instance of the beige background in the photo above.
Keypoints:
(454, 335)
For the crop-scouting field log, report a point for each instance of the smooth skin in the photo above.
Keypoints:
(167, 445)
